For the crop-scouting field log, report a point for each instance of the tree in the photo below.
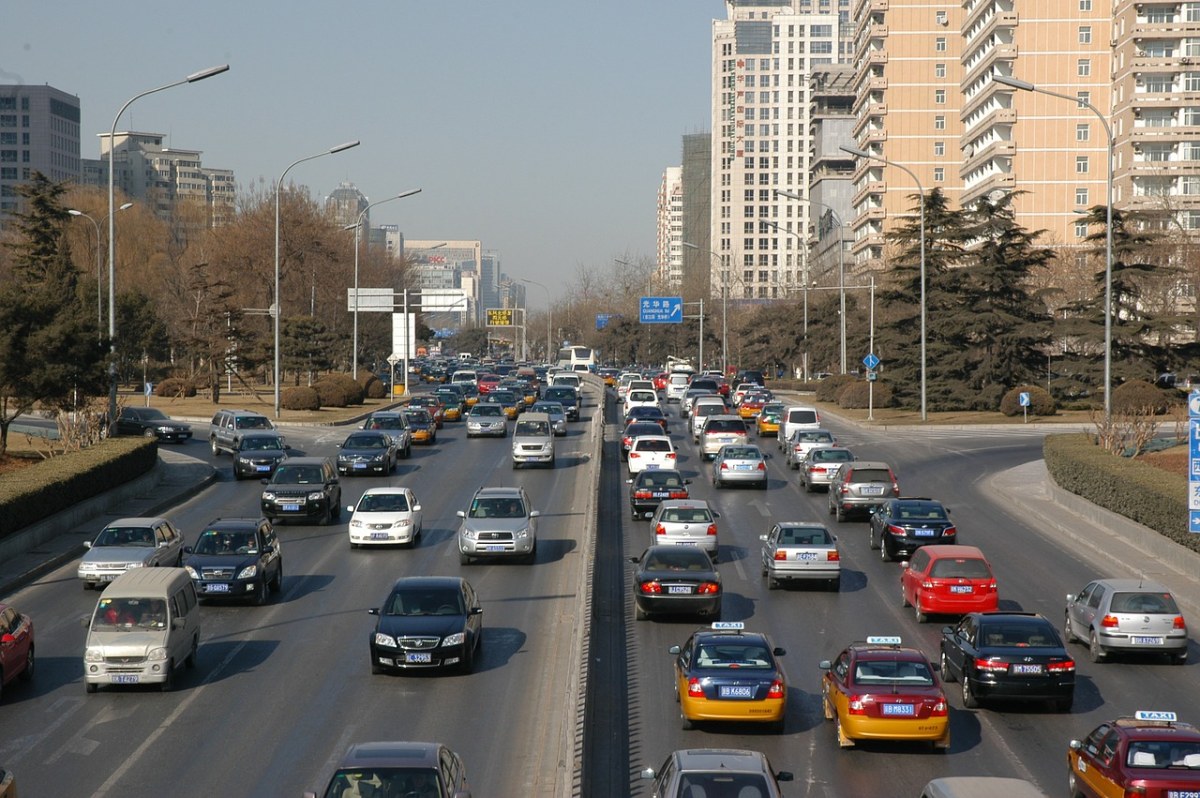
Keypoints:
(48, 339)
(306, 345)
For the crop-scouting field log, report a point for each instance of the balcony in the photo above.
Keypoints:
(980, 10)
(876, 188)
(996, 116)
(999, 180)
(999, 52)
(872, 135)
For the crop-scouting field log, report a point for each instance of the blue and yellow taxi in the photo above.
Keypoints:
(724, 673)
(1152, 753)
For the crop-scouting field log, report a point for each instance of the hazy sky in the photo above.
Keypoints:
(540, 128)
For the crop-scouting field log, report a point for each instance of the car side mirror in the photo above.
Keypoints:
(87, 544)
(416, 508)
(85, 621)
(461, 514)
(824, 664)
(349, 508)
(948, 630)
(187, 549)
(373, 611)
(1075, 745)
(287, 446)
(687, 481)
(784, 775)
(762, 537)
(265, 481)
(535, 513)
(648, 774)
(1070, 598)
(476, 611)
(716, 514)
(779, 652)
(674, 650)
(629, 482)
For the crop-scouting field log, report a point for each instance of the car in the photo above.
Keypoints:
(487, 383)
(421, 424)
(258, 454)
(882, 690)
(510, 402)
(676, 385)
(648, 452)
(394, 423)
(647, 413)
(820, 465)
(801, 442)
(556, 412)
(609, 376)
(470, 393)
(1126, 615)
(431, 403)
(719, 430)
(688, 400)
(454, 402)
(398, 768)
(150, 422)
(701, 410)
(427, 622)
(768, 419)
(365, 451)
(16, 647)
(533, 441)
(716, 771)
(948, 580)
(566, 396)
(800, 551)
(623, 381)
(686, 522)
(304, 488)
(637, 429)
(901, 526)
(486, 420)
(858, 487)
(500, 523)
(1009, 655)
(741, 389)
(228, 426)
(751, 405)
(384, 516)
(725, 673)
(649, 488)
(675, 580)
(236, 558)
(798, 417)
(1151, 753)
(8, 784)
(129, 543)
(740, 465)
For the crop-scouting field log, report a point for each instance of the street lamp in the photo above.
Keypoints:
(872, 156)
(841, 260)
(112, 249)
(357, 234)
(549, 354)
(276, 306)
(1013, 83)
(99, 269)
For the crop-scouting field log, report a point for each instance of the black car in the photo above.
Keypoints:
(151, 423)
(258, 454)
(565, 395)
(901, 526)
(236, 558)
(306, 488)
(427, 622)
(367, 451)
(405, 770)
(635, 429)
(648, 488)
(676, 580)
(647, 413)
(1011, 655)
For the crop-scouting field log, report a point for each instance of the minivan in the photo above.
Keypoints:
(146, 624)
(719, 430)
(533, 441)
(797, 417)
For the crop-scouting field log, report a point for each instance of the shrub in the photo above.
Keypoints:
(1140, 397)
(858, 395)
(331, 393)
(300, 398)
(353, 390)
(175, 387)
(1041, 403)
(375, 388)
(829, 388)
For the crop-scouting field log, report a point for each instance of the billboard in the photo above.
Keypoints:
(500, 317)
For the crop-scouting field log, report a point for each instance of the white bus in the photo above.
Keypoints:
(577, 358)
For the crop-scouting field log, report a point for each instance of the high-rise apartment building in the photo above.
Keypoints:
(39, 132)
(696, 220)
(830, 182)
(669, 259)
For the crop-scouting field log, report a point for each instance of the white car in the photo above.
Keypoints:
(623, 383)
(797, 417)
(637, 397)
(703, 407)
(385, 516)
(651, 451)
(677, 385)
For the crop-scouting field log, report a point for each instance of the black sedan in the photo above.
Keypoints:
(676, 580)
(151, 423)
(1009, 655)
(901, 526)
(258, 454)
(365, 451)
(427, 622)
(647, 413)
(648, 488)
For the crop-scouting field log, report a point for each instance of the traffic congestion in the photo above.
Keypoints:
(745, 634)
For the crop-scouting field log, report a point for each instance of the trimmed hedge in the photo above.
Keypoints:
(829, 388)
(1123, 485)
(349, 386)
(330, 393)
(175, 387)
(1041, 403)
(1137, 396)
(372, 386)
(31, 494)
(857, 395)
(300, 398)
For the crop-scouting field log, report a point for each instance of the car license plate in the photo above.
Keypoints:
(1183, 793)
(686, 543)
(418, 657)
(1027, 669)
(125, 678)
(651, 466)
(924, 532)
(962, 589)
(679, 588)
(493, 548)
(291, 508)
(1147, 641)
(725, 440)
(660, 494)
(741, 467)
(360, 465)
(899, 710)
(736, 691)
(379, 536)
(219, 587)
(262, 468)
(806, 556)
(871, 490)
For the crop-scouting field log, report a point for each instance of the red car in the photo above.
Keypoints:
(948, 580)
(487, 382)
(1148, 754)
(660, 381)
(16, 646)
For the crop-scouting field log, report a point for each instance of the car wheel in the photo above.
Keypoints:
(826, 707)
(148, 433)
(944, 669)
(808, 486)
(843, 740)
(91, 688)
(353, 545)
(376, 668)
(515, 465)
(260, 595)
(918, 613)
(1095, 650)
(27, 673)
(970, 701)
(840, 513)
(903, 597)
(1068, 635)
(87, 585)
(463, 559)
(872, 543)
(468, 661)
(168, 683)
(884, 554)
(190, 662)
(830, 508)
(835, 584)
(277, 582)
(685, 722)
(1063, 704)
(639, 614)
(1179, 659)
(772, 583)
(779, 726)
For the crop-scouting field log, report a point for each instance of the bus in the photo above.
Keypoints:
(577, 358)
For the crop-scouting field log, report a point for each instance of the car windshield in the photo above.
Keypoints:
(647, 444)
(660, 479)
(298, 475)
(151, 414)
(725, 426)
(814, 437)
(425, 601)
(125, 537)
(830, 456)
(550, 408)
(486, 410)
(383, 503)
(1163, 754)
(1150, 603)
(678, 559)
(686, 515)
(803, 536)
(253, 422)
(714, 784)
(361, 782)
(962, 568)
(920, 511)
(418, 417)
(366, 442)
(883, 475)
(802, 417)
(497, 508)
(893, 671)
(385, 422)
(733, 654)
(258, 443)
(130, 613)
(741, 453)
(532, 428)
(222, 541)
(1016, 634)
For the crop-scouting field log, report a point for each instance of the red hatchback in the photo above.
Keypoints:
(948, 580)
(487, 382)
(16, 646)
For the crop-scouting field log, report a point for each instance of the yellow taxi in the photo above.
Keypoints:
(724, 673)
(470, 395)
(610, 377)
(769, 418)
(509, 402)
(751, 405)
(431, 403)
(880, 690)
(453, 404)
(421, 425)
(1151, 753)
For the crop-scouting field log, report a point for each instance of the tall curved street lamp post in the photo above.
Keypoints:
(112, 249)
(549, 347)
(357, 226)
(276, 310)
(872, 156)
(99, 268)
(1108, 240)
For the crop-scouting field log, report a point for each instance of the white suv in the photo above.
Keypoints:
(797, 417)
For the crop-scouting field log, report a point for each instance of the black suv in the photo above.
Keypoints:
(303, 487)
(901, 526)
(258, 454)
(236, 558)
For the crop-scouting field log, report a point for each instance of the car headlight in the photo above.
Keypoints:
(87, 566)
(379, 458)
(356, 524)
(523, 533)
(453, 640)
(268, 496)
(156, 654)
(248, 572)
(134, 564)
(468, 533)
(93, 655)
(243, 459)
(191, 572)
(385, 640)
(403, 522)
(316, 496)
(165, 429)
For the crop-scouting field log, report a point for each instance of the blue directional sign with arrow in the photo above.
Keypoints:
(871, 361)
(661, 310)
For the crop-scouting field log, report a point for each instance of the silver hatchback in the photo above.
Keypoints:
(740, 465)
(499, 523)
(821, 464)
(1113, 615)
(686, 522)
(802, 441)
(130, 543)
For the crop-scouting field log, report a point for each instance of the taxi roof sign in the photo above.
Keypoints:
(1145, 714)
(882, 640)
(728, 625)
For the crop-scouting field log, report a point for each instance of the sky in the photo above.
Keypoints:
(539, 128)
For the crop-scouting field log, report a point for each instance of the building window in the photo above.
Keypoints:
(939, 70)
(1191, 220)
(939, 174)
(8, 120)
(1081, 197)
(1081, 229)
(941, 18)
(1190, 185)
(939, 97)
(939, 44)
(1159, 84)
(939, 148)
(1085, 5)
(1160, 14)
(1085, 34)
(1191, 115)
(1191, 12)
(1081, 164)
(1191, 150)
(1084, 97)
(1083, 68)
(939, 122)
(1083, 132)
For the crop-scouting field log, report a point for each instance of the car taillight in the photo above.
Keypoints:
(670, 455)
(833, 556)
(895, 488)
(776, 689)
(651, 587)
(1178, 623)
(1135, 791)
(856, 705)
(949, 532)
(660, 530)
(626, 442)
(694, 689)
(762, 466)
(724, 466)
(844, 489)
(991, 587)
(780, 555)
(927, 584)
(641, 494)
(892, 529)
(939, 709)
(634, 454)
(1065, 666)
(1109, 622)
(991, 666)
(679, 494)
(712, 529)
(708, 588)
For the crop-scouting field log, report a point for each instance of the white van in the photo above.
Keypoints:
(794, 418)
(465, 376)
(677, 385)
(146, 624)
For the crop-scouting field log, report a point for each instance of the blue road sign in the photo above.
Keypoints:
(1194, 404)
(603, 318)
(1194, 522)
(871, 361)
(661, 310)
(1024, 399)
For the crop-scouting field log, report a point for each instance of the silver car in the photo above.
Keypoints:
(740, 465)
(821, 464)
(557, 413)
(702, 409)
(499, 523)
(797, 447)
(130, 543)
(800, 551)
(1112, 615)
(487, 419)
(716, 772)
(719, 430)
(686, 522)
